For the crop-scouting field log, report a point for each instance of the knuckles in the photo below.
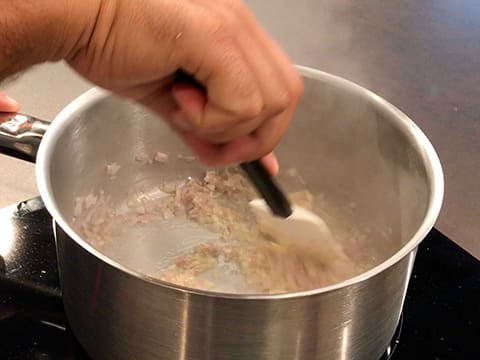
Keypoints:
(297, 87)
(252, 109)
(289, 96)
(218, 28)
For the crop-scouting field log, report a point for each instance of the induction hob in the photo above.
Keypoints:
(440, 321)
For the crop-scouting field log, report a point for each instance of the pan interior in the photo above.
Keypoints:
(118, 173)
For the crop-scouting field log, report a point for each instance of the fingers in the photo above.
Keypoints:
(219, 64)
(252, 87)
(271, 163)
(156, 95)
(212, 154)
(191, 101)
(231, 146)
(278, 56)
(7, 104)
(272, 68)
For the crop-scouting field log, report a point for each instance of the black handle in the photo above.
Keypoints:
(181, 76)
(266, 186)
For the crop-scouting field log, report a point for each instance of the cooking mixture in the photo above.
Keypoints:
(238, 253)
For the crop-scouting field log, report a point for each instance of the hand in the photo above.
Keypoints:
(251, 87)
(7, 104)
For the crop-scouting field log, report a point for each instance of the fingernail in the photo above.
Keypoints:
(9, 100)
(275, 166)
(271, 162)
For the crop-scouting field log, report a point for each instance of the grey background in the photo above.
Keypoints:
(319, 34)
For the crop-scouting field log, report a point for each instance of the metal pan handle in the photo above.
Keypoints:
(20, 135)
(35, 291)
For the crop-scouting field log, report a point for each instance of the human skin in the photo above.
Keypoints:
(134, 47)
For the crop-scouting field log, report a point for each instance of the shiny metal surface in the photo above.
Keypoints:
(21, 133)
(345, 141)
(117, 316)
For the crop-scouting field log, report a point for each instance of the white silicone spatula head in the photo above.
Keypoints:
(302, 230)
(289, 225)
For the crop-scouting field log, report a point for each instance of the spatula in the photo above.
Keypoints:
(288, 224)
(292, 225)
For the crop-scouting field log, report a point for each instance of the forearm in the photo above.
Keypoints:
(36, 31)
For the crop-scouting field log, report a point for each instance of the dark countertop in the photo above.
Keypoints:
(421, 55)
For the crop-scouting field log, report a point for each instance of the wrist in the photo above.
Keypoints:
(37, 31)
(72, 32)
(77, 27)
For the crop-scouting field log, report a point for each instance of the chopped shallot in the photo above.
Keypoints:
(160, 157)
(143, 158)
(112, 169)
(219, 203)
(187, 158)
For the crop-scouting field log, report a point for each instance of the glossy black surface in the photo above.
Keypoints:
(441, 318)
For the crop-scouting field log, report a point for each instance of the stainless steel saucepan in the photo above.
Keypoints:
(376, 176)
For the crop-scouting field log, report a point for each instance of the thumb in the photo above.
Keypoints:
(7, 104)
(191, 100)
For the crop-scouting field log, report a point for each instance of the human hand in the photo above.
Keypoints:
(7, 104)
(250, 86)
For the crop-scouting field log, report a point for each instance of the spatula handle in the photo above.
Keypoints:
(266, 186)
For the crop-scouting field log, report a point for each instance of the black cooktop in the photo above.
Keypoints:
(441, 317)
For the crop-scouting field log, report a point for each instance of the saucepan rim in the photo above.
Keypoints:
(431, 161)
